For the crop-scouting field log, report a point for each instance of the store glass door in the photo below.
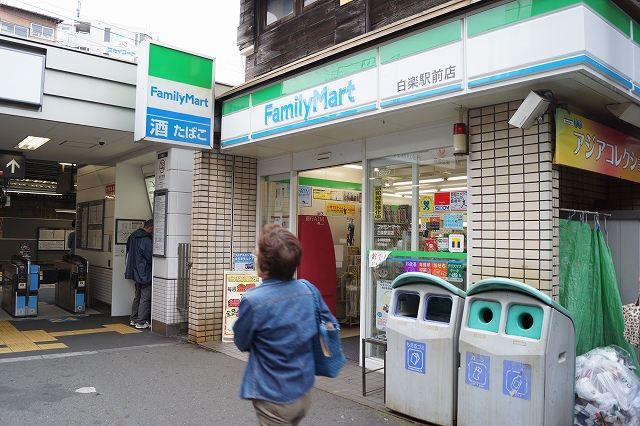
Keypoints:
(417, 219)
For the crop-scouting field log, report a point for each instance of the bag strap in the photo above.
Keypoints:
(315, 299)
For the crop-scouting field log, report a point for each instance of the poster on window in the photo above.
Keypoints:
(442, 201)
(377, 203)
(304, 196)
(341, 209)
(352, 197)
(383, 301)
(458, 200)
(236, 284)
(426, 206)
(321, 194)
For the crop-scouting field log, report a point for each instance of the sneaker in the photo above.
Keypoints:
(143, 325)
(132, 323)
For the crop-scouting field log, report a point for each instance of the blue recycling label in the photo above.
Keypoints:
(477, 370)
(415, 356)
(516, 380)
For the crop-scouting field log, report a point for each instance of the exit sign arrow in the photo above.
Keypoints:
(13, 164)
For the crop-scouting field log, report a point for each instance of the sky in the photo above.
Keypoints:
(208, 27)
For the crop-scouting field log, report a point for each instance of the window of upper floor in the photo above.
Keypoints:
(41, 31)
(8, 27)
(277, 10)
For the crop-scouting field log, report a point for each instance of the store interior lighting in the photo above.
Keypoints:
(352, 166)
(65, 211)
(26, 191)
(31, 143)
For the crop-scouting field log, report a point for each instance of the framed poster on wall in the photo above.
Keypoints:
(90, 225)
(125, 227)
(160, 222)
(51, 239)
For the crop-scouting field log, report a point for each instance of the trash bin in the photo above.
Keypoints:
(517, 357)
(422, 347)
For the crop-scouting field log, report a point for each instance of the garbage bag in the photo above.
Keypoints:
(607, 390)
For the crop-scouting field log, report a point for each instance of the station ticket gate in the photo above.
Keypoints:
(20, 284)
(71, 288)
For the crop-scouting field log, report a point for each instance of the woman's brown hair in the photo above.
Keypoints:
(279, 252)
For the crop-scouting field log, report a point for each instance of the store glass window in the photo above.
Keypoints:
(276, 193)
(418, 222)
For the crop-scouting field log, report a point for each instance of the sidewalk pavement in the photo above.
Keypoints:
(169, 383)
(347, 385)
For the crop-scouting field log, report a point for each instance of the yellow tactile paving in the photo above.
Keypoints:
(62, 333)
(122, 328)
(16, 341)
(39, 336)
(92, 330)
(25, 341)
(6, 326)
(24, 347)
(46, 346)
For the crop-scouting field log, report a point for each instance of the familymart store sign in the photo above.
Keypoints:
(174, 97)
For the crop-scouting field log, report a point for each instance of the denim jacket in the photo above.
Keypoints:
(276, 322)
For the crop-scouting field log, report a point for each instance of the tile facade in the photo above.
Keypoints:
(514, 191)
(223, 222)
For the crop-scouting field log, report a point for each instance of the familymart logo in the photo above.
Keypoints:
(176, 96)
(323, 99)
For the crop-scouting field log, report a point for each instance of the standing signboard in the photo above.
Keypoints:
(174, 96)
(236, 284)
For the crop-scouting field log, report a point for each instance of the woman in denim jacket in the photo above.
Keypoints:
(276, 322)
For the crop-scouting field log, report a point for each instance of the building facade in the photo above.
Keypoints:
(378, 87)
(102, 38)
(27, 24)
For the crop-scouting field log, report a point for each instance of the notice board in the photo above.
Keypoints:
(160, 222)
(90, 225)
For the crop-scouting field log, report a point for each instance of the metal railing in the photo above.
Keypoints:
(184, 273)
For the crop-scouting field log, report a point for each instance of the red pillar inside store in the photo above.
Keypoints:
(318, 264)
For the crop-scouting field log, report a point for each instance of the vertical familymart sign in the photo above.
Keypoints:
(174, 97)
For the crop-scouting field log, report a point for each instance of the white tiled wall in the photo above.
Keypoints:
(179, 183)
(513, 190)
(224, 220)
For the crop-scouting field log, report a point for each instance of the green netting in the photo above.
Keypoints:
(589, 289)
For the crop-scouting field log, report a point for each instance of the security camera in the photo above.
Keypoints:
(532, 109)
(101, 143)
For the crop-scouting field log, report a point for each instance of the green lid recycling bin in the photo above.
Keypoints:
(517, 357)
(422, 347)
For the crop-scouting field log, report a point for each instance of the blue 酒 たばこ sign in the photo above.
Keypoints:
(174, 97)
